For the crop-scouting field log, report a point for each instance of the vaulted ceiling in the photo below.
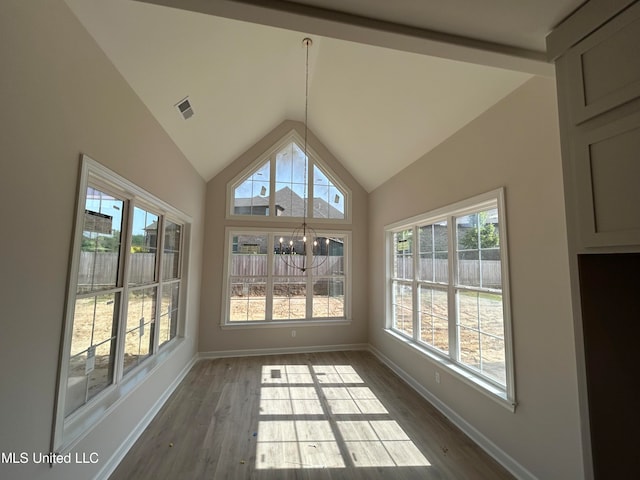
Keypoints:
(388, 81)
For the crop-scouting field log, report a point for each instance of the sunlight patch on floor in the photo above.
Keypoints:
(345, 429)
(286, 374)
(297, 444)
(379, 443)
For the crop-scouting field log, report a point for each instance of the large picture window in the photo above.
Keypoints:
(265, 283)
(448, 289)
(124, 298)
(271, 276)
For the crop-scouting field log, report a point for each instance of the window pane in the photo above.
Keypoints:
(328, 298)
(144, 247)
(468, 309)
(247, 299)
(169, 312)
(441, 267)
(403, 254)
(290, 255)
(491, 314)
(291, 182)
(328, 201)
(468, 250)
(479, 250)
(249, 255)
(336, 199)
(77, 381)
(251, 197)
(426, 263)
(328, 271)
(172, 245)
(321, 204)
(102, 374)
(328, 256)
(101, 242)
(289, 298)
(290, 200)
(481, 332)
(469, 347)
(433, 244)
(493, 358)
(92, 348)
(481, 311)
(403, 307)
(434, 327)
(140, 326)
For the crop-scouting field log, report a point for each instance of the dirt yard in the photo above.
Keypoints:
(93, 327)
(253, 308)
(481, 329)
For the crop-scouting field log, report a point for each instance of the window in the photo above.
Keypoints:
(124, 298)
(448, 289)
(282, 184)
(264, 283)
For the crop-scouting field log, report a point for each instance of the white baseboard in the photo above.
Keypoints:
(111, 464)
(480, 439)
(283, 350)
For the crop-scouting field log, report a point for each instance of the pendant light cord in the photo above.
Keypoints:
(307, 42)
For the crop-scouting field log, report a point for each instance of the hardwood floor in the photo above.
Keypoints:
(337, 415)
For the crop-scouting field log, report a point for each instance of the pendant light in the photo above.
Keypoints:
(304, 241)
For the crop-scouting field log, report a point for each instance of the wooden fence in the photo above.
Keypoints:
(101, 268)
(468, 271)
(285, 265)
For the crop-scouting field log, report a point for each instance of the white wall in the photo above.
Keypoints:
(515, 144)
(60, 96)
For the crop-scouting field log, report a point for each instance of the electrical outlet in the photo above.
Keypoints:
(437, 377)
(293, 333)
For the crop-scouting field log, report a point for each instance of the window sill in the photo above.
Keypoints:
(486, 388)
(284, 323)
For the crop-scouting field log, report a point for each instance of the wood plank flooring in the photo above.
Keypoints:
(336, 415)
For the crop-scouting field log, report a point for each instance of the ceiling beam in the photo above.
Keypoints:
(343, 26)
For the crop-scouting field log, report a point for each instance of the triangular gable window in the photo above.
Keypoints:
(281, 183)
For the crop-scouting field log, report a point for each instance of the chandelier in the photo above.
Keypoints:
(304, 240)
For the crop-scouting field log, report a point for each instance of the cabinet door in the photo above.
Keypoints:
(607, 169)
(604, 67)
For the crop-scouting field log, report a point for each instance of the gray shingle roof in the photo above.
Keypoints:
(292, 204)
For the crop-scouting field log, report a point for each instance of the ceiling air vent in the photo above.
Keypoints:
(185, 109)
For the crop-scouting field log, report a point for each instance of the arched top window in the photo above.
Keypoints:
(282, 183)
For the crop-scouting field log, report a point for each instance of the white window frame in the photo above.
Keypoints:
(270, 154)
(69, 430)
(505, 395)
(230, 232)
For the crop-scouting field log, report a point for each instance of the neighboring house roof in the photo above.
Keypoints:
(252, 202)
(292, 204)
(154, 226)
